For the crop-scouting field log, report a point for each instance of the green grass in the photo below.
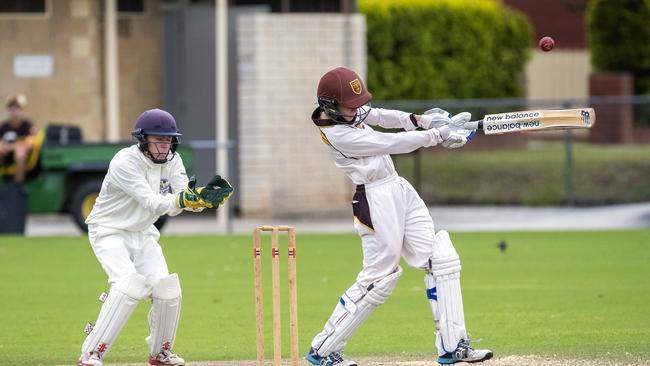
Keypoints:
(533, 176)
(574, 294)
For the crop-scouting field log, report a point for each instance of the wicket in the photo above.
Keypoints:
(275, 277)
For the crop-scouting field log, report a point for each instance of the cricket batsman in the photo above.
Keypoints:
(143, 182)
(389, 216)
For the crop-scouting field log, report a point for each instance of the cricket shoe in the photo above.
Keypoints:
(90, 359)
(334, 358)
(166, 358)
(465, 353)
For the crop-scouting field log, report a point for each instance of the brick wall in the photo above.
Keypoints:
(614, 122)
(285, 168)
(69, 33)
(72, 34)
(564, 20)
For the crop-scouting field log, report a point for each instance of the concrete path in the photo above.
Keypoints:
(456, 218)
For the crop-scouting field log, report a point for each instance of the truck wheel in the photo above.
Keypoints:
(83, 200)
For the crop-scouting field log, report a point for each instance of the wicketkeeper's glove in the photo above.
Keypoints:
(216, 192)
(190, 198)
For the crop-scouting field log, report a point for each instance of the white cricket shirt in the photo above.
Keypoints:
(363, 153)
(136, 191)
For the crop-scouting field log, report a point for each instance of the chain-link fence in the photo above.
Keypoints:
(608, 164)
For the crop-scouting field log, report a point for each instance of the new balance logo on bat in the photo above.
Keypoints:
(584, 116)
(513, 126)
(514, 115)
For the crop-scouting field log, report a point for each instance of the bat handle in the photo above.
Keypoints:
(473, 125)
(471, 136)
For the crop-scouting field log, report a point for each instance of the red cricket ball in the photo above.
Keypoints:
(546, 43)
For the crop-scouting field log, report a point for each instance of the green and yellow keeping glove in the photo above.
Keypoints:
(216, 192)
(189, 198)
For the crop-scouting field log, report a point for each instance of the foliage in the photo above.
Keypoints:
(432, 49)
(619, 38)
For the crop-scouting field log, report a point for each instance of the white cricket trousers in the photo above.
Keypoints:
(122, 252)
(393, 222)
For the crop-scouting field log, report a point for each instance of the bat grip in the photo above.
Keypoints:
(474, 125)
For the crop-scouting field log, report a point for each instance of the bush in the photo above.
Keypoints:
(619, 38)
(433, 49)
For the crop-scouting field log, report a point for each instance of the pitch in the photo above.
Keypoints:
(579, 296)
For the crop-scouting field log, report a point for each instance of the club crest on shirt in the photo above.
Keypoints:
(165, 187)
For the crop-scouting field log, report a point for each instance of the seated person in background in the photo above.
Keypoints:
(16, 136)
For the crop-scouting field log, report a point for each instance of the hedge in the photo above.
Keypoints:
(619, 38)
(433, 49)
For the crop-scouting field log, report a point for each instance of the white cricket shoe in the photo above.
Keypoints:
(90, 359)
(166, 358)
(465, 353)
(334, 358)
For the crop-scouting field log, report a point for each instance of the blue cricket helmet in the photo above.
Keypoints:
(156, 122)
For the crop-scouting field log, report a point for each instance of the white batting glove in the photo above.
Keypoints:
(459, 136)
(434, 118)
(460, 120)
(455, 140)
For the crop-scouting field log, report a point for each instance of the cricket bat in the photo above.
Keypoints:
(535, 120)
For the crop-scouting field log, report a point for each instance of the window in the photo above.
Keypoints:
(9, 8)
(130, 6)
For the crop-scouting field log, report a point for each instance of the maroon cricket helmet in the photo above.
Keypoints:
(345, 87)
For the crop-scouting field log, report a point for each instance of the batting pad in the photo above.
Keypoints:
(164, 314)
(350, 314)
(117, 309)
(444, 294)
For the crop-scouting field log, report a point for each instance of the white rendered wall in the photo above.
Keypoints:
(284, 166)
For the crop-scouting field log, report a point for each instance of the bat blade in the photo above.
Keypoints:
(493, 124)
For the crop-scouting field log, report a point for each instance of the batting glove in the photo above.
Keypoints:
(434, 118)
(459, 134)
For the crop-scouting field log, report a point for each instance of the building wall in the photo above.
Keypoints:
(564, 20)
(72, 33)
(69, 33)
(562, 73)
(285, 168)
(140, 64)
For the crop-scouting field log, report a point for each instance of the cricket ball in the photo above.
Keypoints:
(546, 43)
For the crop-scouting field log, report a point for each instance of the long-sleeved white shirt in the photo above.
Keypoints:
(363, 153)
(136, 191)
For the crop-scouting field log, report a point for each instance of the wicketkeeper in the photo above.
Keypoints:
(389, 216)
(143, 182)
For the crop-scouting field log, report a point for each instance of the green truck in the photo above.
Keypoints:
(65, 174)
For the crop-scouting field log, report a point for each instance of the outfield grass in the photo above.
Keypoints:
(575, 294)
